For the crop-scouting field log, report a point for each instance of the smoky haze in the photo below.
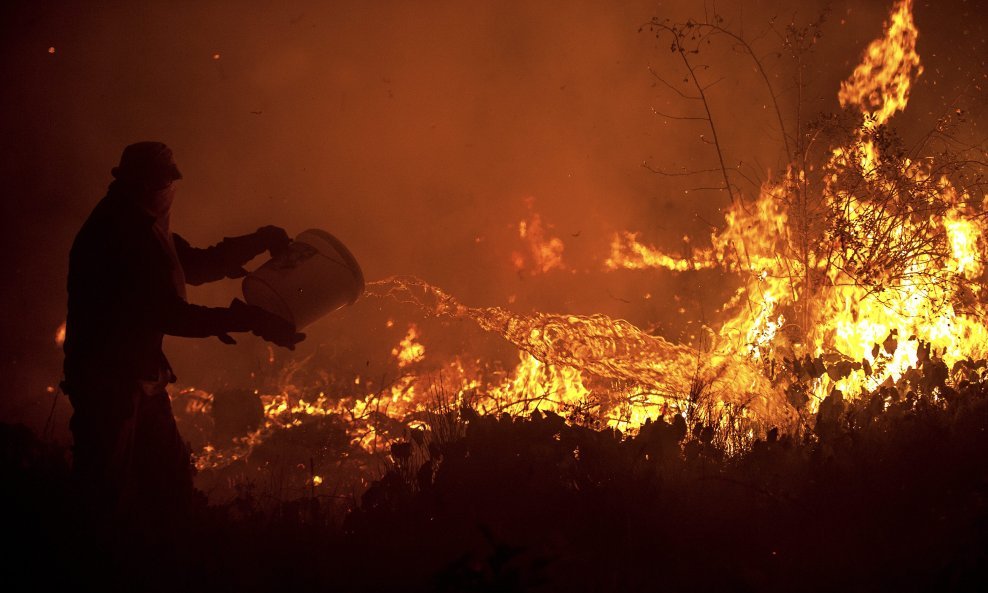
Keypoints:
(414, 132)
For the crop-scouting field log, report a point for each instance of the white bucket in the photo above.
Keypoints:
(315, 276)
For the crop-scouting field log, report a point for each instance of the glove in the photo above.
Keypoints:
(274, 238)
(265, 324)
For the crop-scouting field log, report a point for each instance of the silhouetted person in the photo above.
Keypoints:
(126, 285)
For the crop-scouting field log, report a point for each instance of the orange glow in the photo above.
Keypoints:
(864, 322)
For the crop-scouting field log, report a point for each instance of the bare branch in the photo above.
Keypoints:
(745, 177)
(674, 89)
(713, 83)
(679, 117)
(713, 188)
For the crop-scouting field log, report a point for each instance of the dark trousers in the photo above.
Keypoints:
(128, 456)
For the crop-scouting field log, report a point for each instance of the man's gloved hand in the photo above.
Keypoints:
(275, 239)
(265, 324)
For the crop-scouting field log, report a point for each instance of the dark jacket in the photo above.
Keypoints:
(123, 300)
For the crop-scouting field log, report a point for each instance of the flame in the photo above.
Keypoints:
(879, 85)
(542, 252)
(60, 334)
(629, 254)
(900, 274)
(409, 350)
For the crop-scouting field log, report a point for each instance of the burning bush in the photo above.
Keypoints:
(862, 247)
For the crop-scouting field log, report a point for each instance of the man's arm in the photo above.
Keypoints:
(180, 318)
(227, 258)
(157, 303)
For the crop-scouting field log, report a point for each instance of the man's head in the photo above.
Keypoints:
(149, 168)
(147, 164)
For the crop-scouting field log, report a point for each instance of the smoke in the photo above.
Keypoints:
(412, 131)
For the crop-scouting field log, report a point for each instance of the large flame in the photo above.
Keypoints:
(880, 84)
(888, 286)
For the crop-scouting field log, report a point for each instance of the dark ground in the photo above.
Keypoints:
(865, 501)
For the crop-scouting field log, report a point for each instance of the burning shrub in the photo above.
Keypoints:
(861, 244)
